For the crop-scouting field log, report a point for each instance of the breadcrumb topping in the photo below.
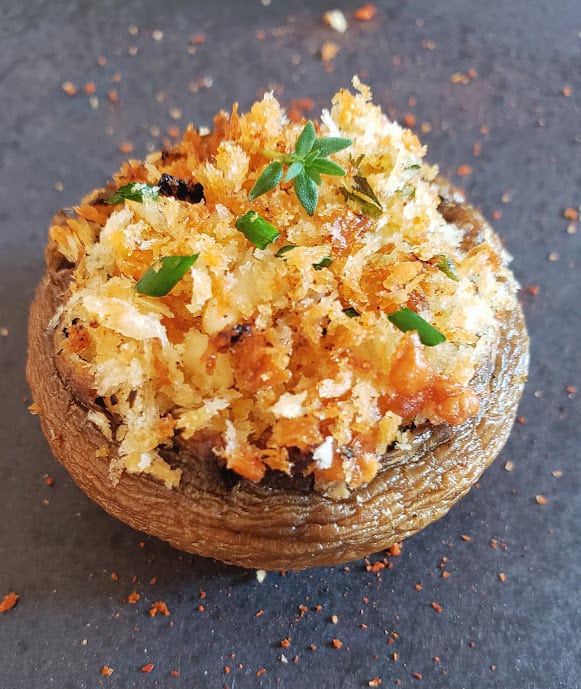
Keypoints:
(265, 355)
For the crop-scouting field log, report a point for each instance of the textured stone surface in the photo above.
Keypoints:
(58, 550)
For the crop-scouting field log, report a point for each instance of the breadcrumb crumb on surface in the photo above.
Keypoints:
(9, 601)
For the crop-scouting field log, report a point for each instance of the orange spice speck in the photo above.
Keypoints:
(417, 675)
(9, 601)
(106, 671)
(465, 537)
(570, 214)
(153, 581)
(101, 60)
(313, 647)
(502, 577)
(395, 550)
(173, 131)
(285, 643)
(49, 480)
(198, 39)
(133, 597)
(126, 147)
(69, 88)
(260, 672)
(570, 389)
(409, 119)
(148, 667)
(174, 673)
(476, 149)
(90, 88)
(445, 574)
(337, 643)
(365, 12)
(395, 656)
(201, 608)
(464, 170)
(437, 607)
(227, 669)
(497, 215)
(113, 96)
(114, 576)
(418, 587)
(375, 682)
(566, 91)
(159, 607)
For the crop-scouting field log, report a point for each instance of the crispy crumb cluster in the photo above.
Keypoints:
(279, 364)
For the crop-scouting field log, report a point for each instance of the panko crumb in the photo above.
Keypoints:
(275, 356)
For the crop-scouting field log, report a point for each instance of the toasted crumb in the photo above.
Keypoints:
(336, 20)
(106, 671)
(9, 601)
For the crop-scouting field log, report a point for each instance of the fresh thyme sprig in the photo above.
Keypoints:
(305, 167)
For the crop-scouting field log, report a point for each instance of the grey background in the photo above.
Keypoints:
(58, 550)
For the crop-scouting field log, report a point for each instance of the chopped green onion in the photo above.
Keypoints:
(363, 195)
(256, 229)
(284, 249)
(134, 191)
(406, 319)
(446, 265)
(351, 312)
(325, 262)
(164, 275)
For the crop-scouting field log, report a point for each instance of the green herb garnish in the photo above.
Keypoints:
(284, 250)
(351, 312)
(446, 265)
(134, 191)
(164, 275)
(325, 262)
(305, 167)
(256, 229)
(406, 319)
(363, 195)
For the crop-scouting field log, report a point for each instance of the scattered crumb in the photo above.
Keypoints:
(365, 12)
(337, 643)
(553, 257)
(437, 607)
(567, 91)
(334, 619)
(509, 465)
(336, 20)
(69, 88)
(464, 170)
(106, 671)
(126, 147)
(90, 88)
(465, 537)
(9, 601)
(375, 682)
(133, 597)
(541, 500)
(260, 575)
(557, 473)
(148, 667)
(157, 35)
(570, 214)
(502, 577)
(329, 50)
(159, 607)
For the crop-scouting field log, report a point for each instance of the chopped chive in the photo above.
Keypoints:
(325, 262)
(164, 275)
(406, 319)
(284, 250)
(446, 265)
(134, 191)
(256, 229)
(351, 312)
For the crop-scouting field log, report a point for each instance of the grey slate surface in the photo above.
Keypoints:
(58, 550)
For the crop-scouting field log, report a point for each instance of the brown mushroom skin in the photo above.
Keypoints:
(269, 527)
